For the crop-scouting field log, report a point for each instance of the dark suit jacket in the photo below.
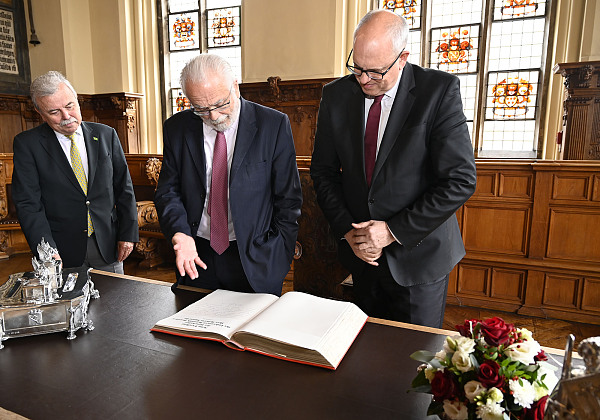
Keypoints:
(424, 172)
(264, 189)
(51, 204)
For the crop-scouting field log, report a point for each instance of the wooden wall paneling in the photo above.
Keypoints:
(299, 99)
(508, 285)
(574, 234)
(571, 186)
(317, 269)
(473, 280)
(561, 291)
(590, 299)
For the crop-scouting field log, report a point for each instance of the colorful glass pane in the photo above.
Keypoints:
(178, 101)
(512, 95)
(223, 27)
(515, 9)
(455, 49)
(183, 31)
(413, 45)
(409, 9)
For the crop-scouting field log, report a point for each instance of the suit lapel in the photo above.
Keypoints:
(356, 119)
(245, 136)
(398, 115)
(91, 144)
(194, 139)
(50, 143)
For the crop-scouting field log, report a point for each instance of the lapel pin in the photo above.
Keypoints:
(96, 138)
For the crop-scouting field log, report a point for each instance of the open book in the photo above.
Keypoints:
(297, 326)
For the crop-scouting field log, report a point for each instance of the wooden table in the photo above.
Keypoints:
(121, 370)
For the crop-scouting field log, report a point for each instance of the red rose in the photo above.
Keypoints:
(488, 374)
(444, 386)
(537, 410)
(467, 327)
(496, 331)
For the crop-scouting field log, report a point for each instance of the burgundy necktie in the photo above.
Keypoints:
(371, 131)
(217, 203)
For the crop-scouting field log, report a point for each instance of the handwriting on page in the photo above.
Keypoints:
(203, 323)
(215, 315)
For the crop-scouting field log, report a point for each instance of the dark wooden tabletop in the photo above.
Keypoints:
(121, 370)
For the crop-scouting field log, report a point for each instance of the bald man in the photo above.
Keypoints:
(392, 163)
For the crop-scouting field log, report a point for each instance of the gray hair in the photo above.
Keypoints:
(199, 68)
(47, 84)
(397, 30)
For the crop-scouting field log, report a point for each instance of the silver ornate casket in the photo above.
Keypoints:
(48, 299)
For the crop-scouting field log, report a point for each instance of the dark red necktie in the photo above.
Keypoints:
(217, 203)
(371, 131)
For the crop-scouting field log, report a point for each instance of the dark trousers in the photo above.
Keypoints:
(378, 295)
(223, 271)
(93, 258)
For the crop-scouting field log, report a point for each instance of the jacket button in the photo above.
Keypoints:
(87, 203)
(195, 224)
(371, 201)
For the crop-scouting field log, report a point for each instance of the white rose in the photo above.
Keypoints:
(525, 334)
(455, 410)
(523, 352)
(465, 344)
(430, 373)
(440, 355)
(462, 361)
(473, 389)
(495, 395)
(450, 344)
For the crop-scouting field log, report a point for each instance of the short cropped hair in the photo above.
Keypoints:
(199, 68)
(397, 31)
(47, 84)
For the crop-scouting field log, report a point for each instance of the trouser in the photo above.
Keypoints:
(93, 258)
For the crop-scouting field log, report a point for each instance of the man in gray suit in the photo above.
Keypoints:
(71, 185)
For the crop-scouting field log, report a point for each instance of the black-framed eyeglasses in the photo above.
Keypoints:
(205, 112)
(372, 74)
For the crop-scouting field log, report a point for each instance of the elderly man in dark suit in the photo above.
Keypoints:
(392, 163)
(228, 195)
(71, 185)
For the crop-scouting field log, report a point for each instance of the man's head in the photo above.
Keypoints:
(379, 47)
(56, 102)
(210, 86)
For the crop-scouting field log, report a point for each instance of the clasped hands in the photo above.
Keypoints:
(367, 240)
(186, 255)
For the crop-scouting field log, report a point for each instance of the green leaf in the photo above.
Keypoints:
(420, 380)
(422, 356)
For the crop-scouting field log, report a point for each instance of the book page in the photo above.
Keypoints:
(325, 325)
(221, 312)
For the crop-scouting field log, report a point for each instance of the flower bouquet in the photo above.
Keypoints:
(491, 371)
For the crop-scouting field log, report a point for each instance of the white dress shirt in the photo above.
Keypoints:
(210, 136)
(65, 143)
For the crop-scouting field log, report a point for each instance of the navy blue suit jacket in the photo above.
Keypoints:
(51, 204)
(424, 172)
(264, 189)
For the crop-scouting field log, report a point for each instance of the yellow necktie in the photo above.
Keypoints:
(80, 175)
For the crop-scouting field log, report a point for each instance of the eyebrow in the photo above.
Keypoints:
(56, 109)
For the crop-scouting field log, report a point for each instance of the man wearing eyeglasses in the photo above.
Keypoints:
(392, 163)
(228, 195)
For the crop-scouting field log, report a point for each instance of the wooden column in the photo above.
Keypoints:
(581, 118)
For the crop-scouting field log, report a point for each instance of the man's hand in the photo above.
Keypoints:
(186, 255)
(123, 250)
(368, 239)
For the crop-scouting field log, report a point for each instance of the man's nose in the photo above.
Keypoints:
(363, 78)
(65, 114)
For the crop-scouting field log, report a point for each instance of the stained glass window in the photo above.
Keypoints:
(223, 27)
(186, 39)
(500, 80)
(409, 9)
(184, 31)
(456, 48)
